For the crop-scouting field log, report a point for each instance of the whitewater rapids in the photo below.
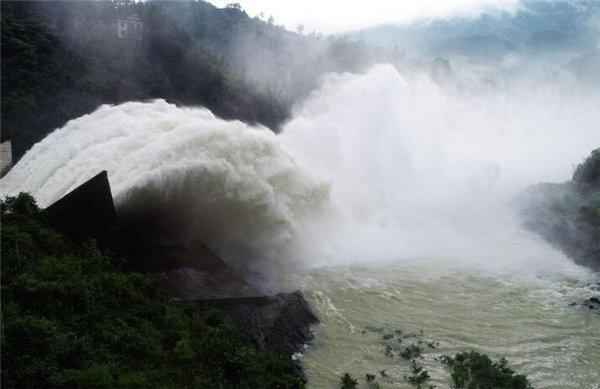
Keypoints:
(371, 168)
(389, 201)
(233, 185)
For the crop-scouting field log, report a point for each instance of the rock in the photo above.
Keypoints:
(568, 215)
(562, 215)
(593, 303)
(188, 283)
(279, 323)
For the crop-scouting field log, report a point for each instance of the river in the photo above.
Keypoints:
(527, 319)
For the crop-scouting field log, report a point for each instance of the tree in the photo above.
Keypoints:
(348, 382)
(72, 318)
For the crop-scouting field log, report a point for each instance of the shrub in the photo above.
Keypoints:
(72, 318)
(587, 174)
(472, 370)
(348, 382)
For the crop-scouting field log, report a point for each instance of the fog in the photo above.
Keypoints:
(412, 160)
(342, 16)
(418, 170)
(373, 168)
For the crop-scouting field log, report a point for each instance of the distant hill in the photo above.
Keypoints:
(561, 25)
(62, 59)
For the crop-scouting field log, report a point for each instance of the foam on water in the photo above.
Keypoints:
(371, 168)
(232, 185)
(529, 321)
(421, 171)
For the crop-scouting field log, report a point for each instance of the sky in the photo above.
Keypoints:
(338, 16)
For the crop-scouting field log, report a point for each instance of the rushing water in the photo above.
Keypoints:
(528, 320)
(371, 167)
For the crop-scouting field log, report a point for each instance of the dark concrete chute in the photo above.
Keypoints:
(188, 269)
(86, 212)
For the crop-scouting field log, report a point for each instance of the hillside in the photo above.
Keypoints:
(568, 214)
(538, 26)
(64, 59)
(73, 318)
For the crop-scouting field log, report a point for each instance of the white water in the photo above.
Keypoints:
(416, 171)
(234, 186)
(373, 169)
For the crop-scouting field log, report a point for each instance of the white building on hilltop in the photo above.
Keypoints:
(130, 27)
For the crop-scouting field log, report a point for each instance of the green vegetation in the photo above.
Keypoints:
(348, 382)
(411, 352)
(73, 319)
(37, 72)
(587, 174)
(472, 370)
(62, 59)
(419, 377)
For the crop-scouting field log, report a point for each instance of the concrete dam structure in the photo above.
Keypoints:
(190, 272)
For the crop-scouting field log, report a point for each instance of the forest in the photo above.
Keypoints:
(63, 59)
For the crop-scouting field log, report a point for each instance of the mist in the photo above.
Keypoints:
(339, 17)
(372, 168)
(418, 171)
(384, 156)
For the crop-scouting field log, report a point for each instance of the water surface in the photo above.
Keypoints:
(526, 319)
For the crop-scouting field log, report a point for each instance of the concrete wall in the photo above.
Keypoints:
(5, 157)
